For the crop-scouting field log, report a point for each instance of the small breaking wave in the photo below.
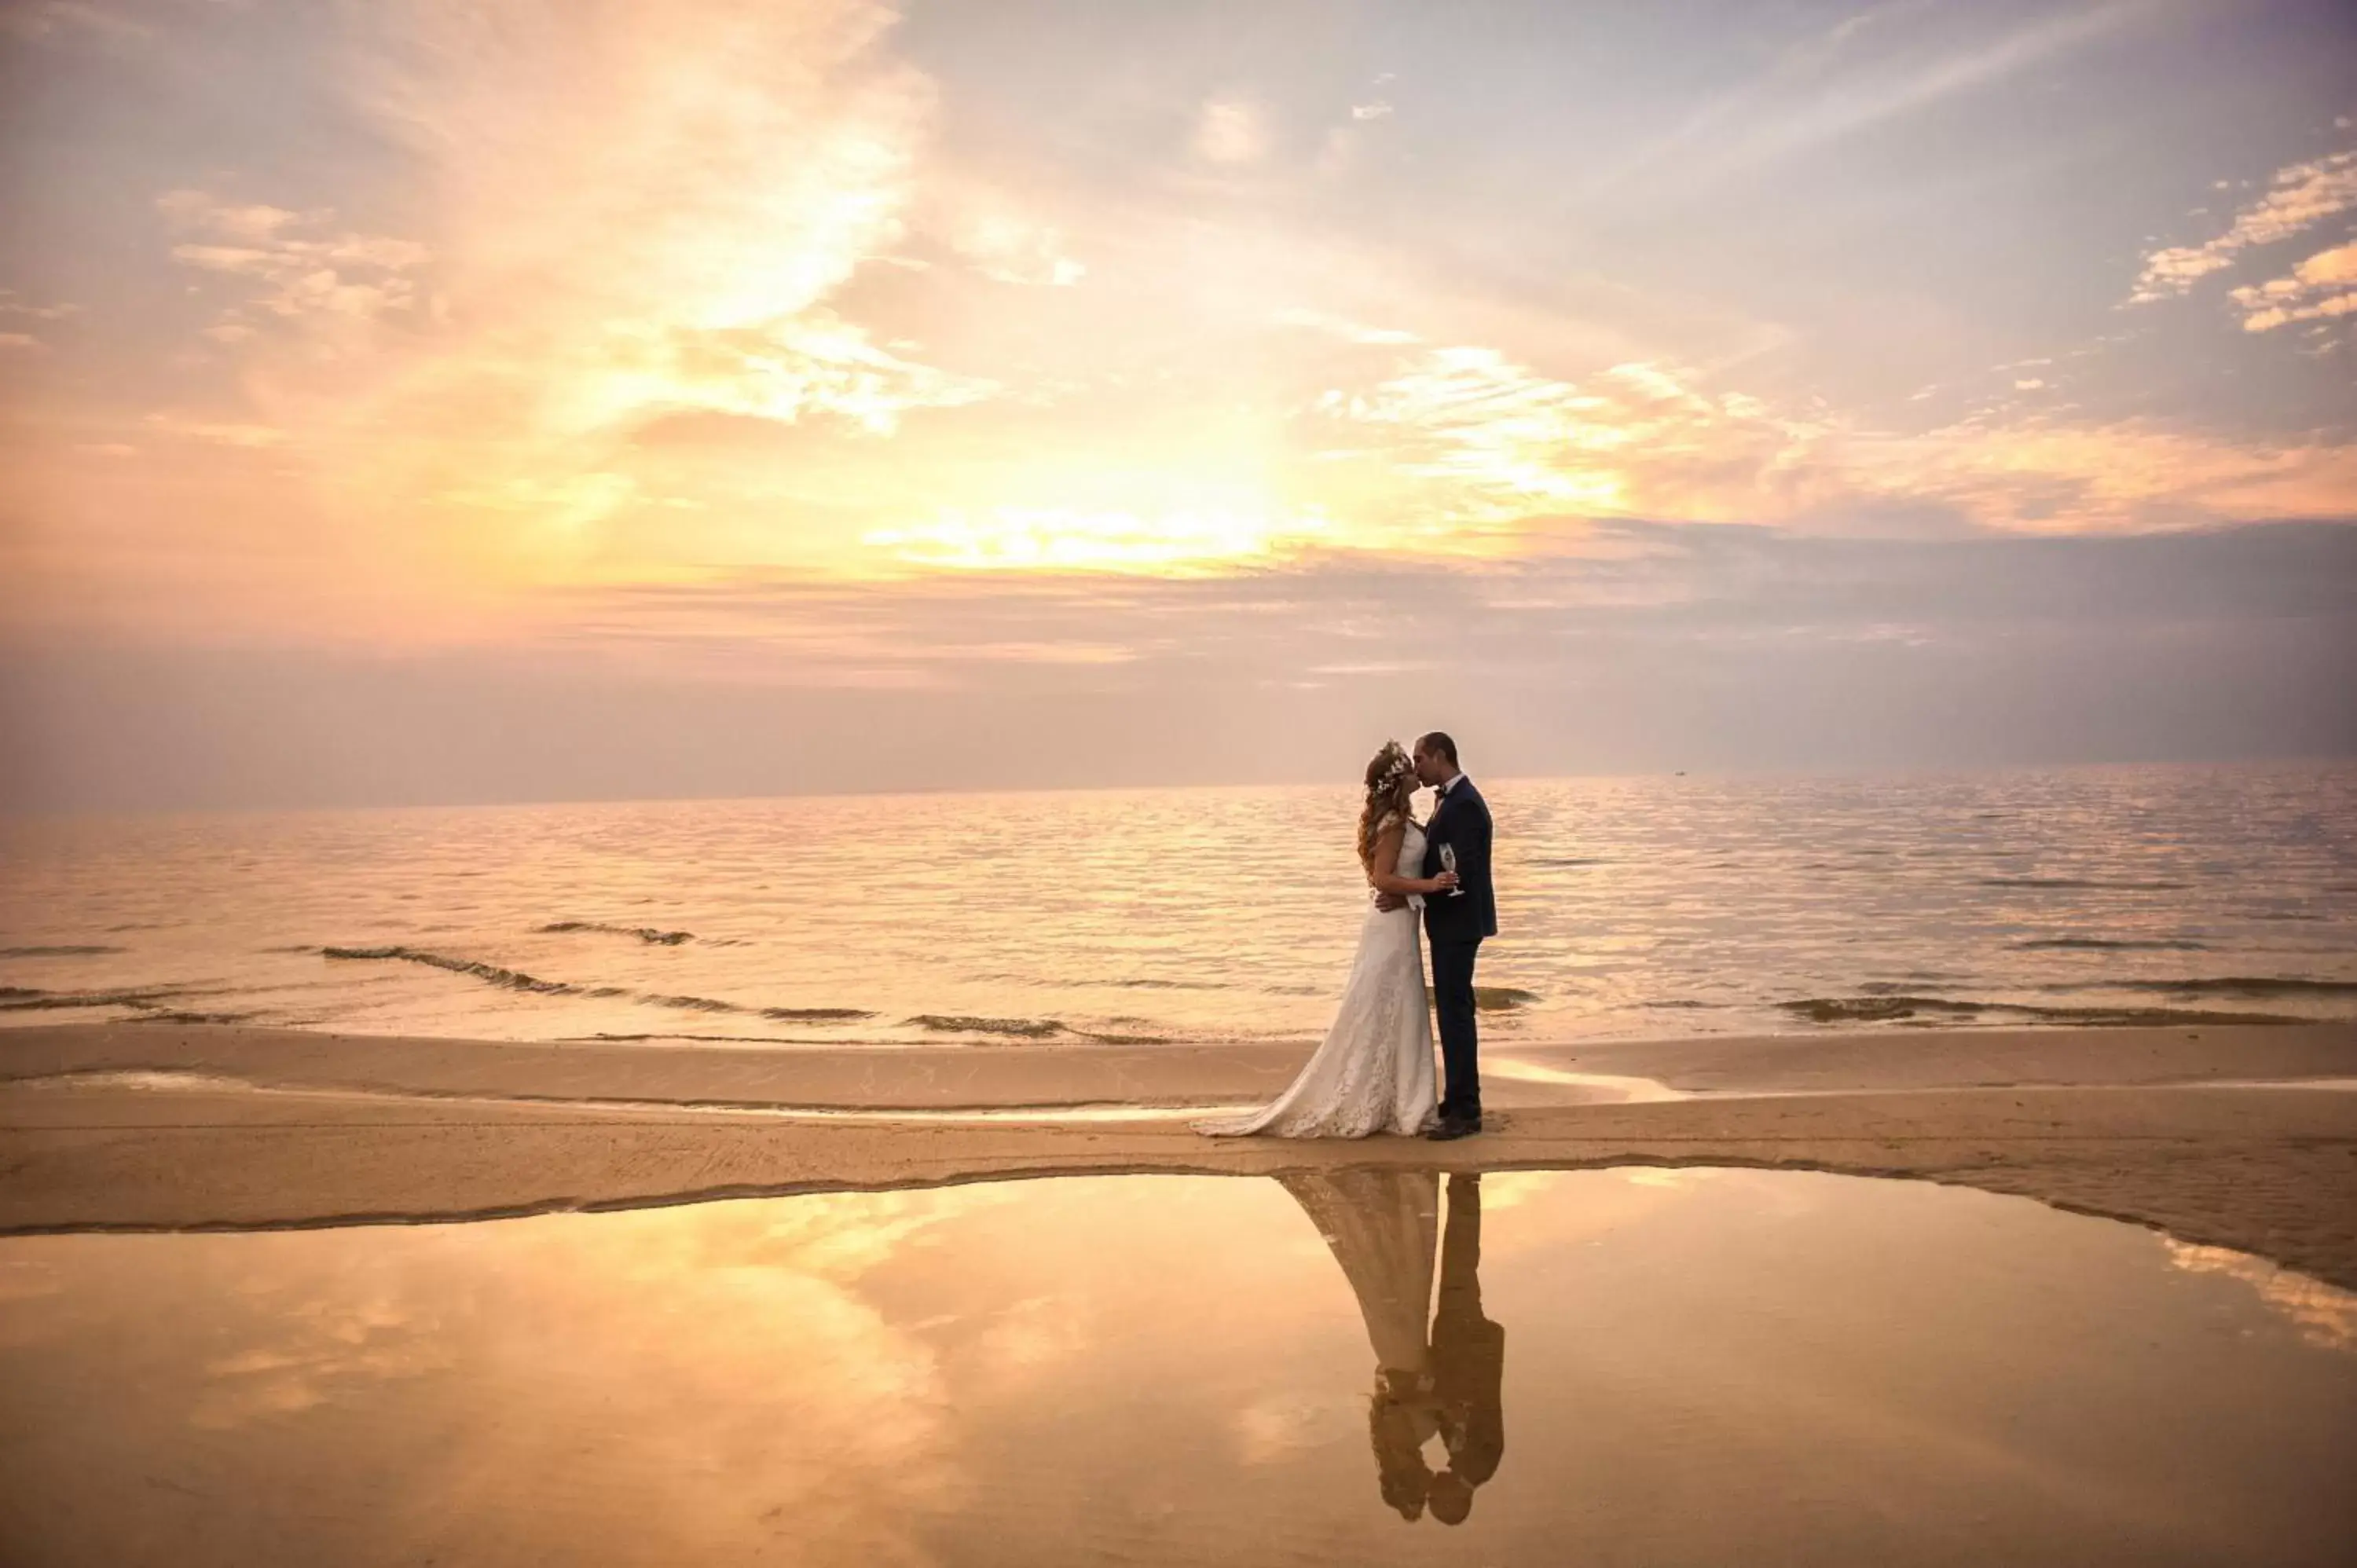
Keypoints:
(2241, 986)
(517, 980)
(2244, 986)
(1900, 1009)
(649, 934)
(1086, 982)
(2076, 884)
(28, 999)
(781, 1014)
(1496, 998)
(691, 1003)
(1026, 1029)
(960, 1024)
(490, 973)
(2102, 944)
(151, 1004)
(62, 950)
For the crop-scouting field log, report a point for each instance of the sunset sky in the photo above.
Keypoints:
(424, 400)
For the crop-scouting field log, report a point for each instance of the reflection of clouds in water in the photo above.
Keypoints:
(840, 1236)
(2324, 1314)
(1610, 1199)
(1033, 1333)
(1508, 1189)
(324, 1343)
(1279, 1425)
(1511, 1189)
(1672, 1179)
(698, 1379)
(1097, 1366)
(688, 1307)
(378, 1320)
(25, 1279)
(365, 1322)
(748, 1387)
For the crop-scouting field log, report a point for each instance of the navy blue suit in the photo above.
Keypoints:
(1455, 927)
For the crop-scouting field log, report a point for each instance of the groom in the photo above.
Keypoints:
(1454, 924)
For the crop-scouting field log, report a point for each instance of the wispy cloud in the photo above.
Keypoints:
(2052, 473)
(624, 216)
(219, 432)
(1497, 445)
(11, 305)
(2298, 199)
(1496, 440)
(1005, 246)
(45, 18)
(543, 295)
(2323, 285)
(305, 272)
(1020, 539)
(1340, 326)
(1830, 87)
(1230, 131)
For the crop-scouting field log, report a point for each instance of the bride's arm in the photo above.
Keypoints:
(1381, 880)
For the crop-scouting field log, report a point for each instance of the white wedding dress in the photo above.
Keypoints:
(1374, 1073)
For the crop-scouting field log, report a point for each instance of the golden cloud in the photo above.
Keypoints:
(2298, 198)
(2322, 286)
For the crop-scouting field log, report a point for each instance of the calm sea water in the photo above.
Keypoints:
(1630, 908)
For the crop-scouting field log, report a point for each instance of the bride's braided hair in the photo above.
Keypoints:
(1385, 799)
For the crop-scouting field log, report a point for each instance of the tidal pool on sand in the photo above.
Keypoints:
(1356, 1366)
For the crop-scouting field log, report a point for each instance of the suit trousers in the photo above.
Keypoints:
(1460, 1046)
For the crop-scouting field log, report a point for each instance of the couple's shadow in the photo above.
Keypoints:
(1383, 1227)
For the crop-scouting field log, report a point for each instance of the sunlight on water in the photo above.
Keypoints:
(1630, 908)
(1354, 1366)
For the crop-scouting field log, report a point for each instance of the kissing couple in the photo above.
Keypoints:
(1373, 1073)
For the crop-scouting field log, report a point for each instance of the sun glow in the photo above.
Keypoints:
(663, 292)
(1034, 539)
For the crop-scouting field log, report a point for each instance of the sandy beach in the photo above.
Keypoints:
(2240, 1137)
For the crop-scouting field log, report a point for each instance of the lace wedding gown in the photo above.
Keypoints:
(1374, 1073)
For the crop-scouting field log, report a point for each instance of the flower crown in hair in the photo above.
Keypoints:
(1396, 764)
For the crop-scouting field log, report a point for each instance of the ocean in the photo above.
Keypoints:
(1630, 908)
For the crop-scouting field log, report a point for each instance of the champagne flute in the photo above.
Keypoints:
(1448, 862)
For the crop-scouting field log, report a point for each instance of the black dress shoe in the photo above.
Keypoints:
(1448, 1131)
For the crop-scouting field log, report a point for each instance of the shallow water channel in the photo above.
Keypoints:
(1359, 1365)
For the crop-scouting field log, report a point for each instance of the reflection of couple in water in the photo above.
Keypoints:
(1382, 1226)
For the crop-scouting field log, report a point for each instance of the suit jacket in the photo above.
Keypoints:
(1462, 822)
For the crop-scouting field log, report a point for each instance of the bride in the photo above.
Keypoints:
(1374, 1072)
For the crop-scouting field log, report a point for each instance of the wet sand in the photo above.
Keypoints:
(2219, 1135)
